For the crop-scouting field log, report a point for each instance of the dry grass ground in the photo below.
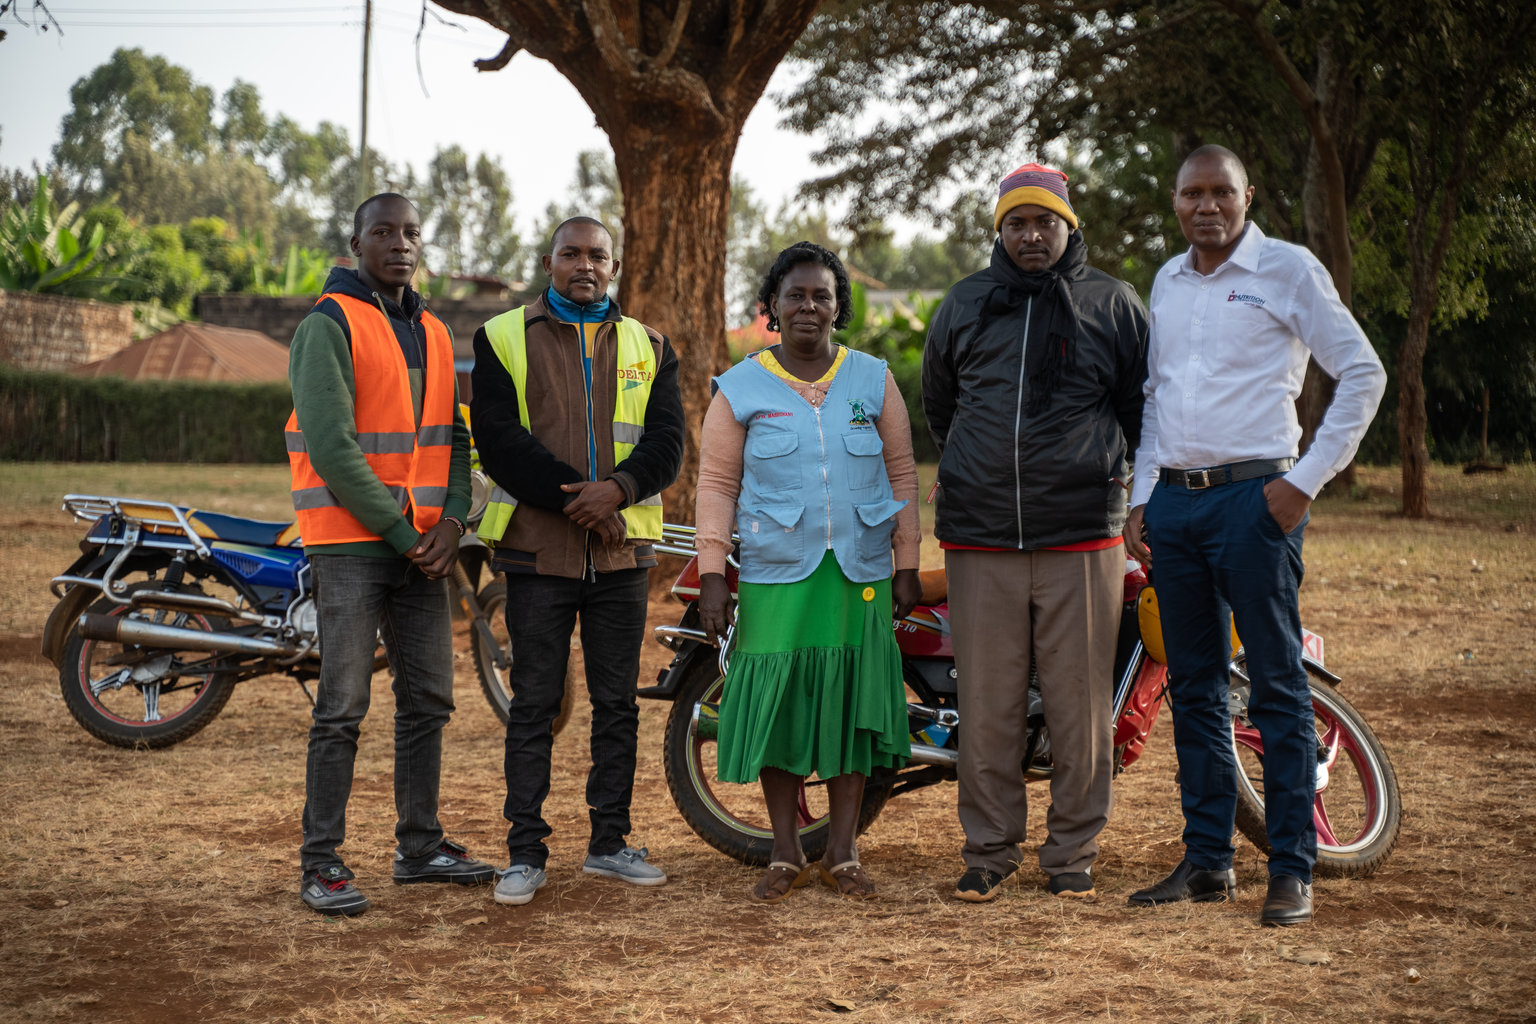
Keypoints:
(161, 887)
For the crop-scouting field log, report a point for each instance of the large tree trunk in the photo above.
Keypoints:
(676, 203)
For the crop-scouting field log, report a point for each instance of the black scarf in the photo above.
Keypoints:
(1045, 364)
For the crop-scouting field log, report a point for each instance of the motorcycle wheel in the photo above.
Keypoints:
(495, 681)
(139, 697)
(1358, 809)
(727, 816)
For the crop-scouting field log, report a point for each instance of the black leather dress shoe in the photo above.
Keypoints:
(1188, 882)
(1289, 902)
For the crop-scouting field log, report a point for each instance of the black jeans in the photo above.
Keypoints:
(541, 616)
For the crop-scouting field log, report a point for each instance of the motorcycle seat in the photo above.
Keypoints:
(236, 530)
(935, 586)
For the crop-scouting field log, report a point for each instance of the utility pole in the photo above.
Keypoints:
(364, 166)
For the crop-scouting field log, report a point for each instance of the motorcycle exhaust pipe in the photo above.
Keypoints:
(171, 600)
(121, 629)
(926, 753)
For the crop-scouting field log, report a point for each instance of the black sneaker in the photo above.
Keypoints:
(978, 885)
(450, 863)
(329, 890)
(1072, 885)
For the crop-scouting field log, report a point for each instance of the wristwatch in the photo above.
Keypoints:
(456, 521)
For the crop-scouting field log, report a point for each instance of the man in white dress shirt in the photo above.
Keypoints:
(1224, 502)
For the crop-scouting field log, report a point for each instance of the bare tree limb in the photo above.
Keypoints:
(674, 36)
(13, 6)
(509, 49)
(421, 27)
(609, 38)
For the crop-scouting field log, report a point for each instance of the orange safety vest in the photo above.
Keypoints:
(412, 463)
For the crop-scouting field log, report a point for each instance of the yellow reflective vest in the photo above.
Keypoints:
(636, 369)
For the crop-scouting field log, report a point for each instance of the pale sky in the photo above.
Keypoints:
(305, 60)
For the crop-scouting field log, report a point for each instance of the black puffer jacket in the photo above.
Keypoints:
(1011, 480)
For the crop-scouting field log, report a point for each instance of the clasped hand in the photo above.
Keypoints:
(434, 553)
(596, 508)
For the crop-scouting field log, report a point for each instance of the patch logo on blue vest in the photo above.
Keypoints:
(860, 418)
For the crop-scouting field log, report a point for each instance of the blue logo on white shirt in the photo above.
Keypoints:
(1253, 301)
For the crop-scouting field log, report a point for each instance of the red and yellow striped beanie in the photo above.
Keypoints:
(1036, 185)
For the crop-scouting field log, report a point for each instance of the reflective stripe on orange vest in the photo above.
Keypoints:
(412, 463)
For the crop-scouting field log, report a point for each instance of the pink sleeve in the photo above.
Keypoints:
(721, 442)
(895, 429)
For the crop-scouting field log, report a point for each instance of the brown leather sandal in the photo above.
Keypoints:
(848, 880)
(779, 872)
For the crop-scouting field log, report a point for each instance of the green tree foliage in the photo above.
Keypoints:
(143, 135)
(467, 213)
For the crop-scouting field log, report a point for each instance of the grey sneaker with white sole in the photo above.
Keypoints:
(628, 865)
(517, 884)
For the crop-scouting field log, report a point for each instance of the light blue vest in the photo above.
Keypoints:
(812, 479)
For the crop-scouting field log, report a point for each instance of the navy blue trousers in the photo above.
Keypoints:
(1214, 550)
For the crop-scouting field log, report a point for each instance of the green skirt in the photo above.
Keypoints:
(814, 685)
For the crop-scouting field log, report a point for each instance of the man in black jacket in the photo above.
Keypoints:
(1032, 382)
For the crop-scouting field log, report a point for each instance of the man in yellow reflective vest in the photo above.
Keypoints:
(380, 462)
(579, 424)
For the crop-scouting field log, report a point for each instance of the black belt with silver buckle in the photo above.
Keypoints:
(1215, 476)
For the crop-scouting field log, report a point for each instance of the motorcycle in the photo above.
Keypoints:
(168, 607)
(1357, 808)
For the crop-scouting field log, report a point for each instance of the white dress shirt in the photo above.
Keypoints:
(1226, 358)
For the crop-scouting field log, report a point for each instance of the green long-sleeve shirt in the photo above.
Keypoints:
(324, 398)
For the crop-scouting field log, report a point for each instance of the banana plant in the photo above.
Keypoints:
(46, 251)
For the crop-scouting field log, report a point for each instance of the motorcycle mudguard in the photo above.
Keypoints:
(70, 607)
(92, 562)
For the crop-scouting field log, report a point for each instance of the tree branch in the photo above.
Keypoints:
(674, 36)
(509, 49)
(37, 5)
(609, 39)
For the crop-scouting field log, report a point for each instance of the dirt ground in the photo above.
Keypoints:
(162, 886)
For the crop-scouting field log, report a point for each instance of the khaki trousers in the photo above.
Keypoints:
(1064, 608)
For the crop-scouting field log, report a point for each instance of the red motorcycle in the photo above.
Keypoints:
(1358, 809)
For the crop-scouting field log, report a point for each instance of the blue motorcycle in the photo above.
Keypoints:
(168, 607)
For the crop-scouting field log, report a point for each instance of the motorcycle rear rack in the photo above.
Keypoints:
(145, 524)
(159, 523)
(678, 540)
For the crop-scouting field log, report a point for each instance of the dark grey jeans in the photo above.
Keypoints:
(360, 598)
(541, 614)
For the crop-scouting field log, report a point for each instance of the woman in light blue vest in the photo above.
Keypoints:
(807, 454)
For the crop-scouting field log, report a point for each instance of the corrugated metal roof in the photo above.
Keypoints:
(196, 352)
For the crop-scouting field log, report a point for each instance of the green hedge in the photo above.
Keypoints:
(58, 418)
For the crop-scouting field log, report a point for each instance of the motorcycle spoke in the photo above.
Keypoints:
(110, 681)
(151, 693)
